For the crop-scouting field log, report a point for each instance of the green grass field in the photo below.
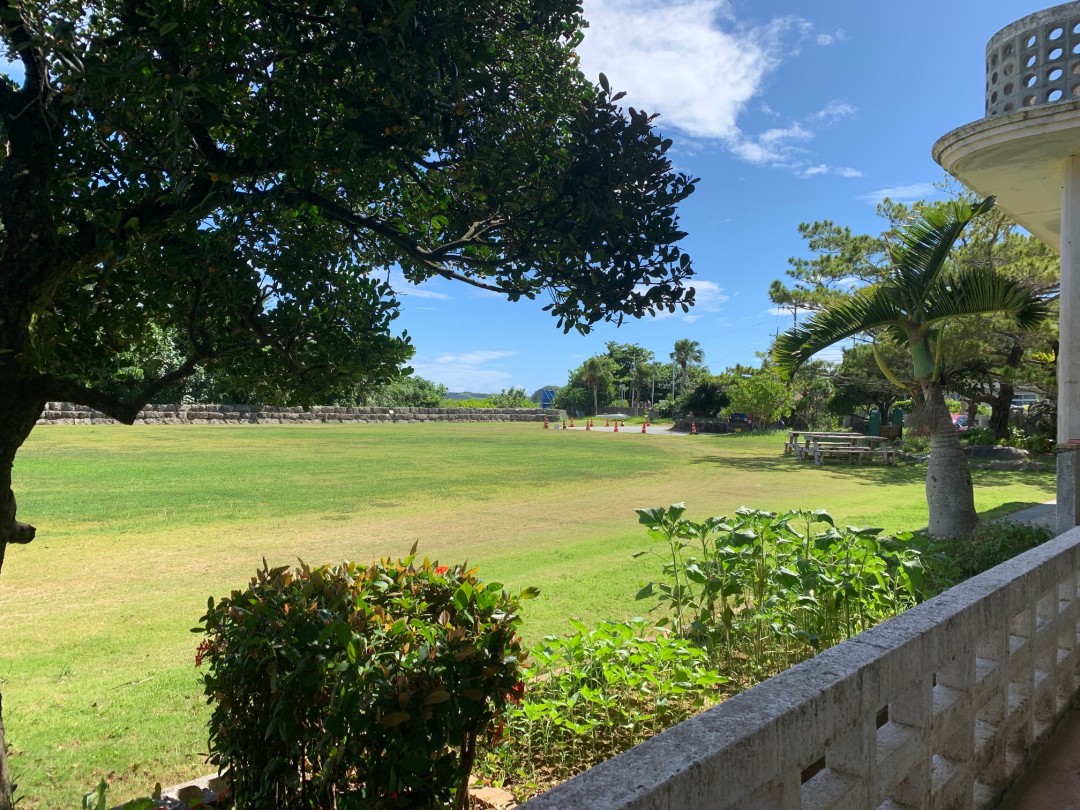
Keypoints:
(138, 526)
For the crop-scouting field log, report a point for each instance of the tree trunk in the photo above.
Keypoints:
(595, 406)
(6, 801)
(950, 494)
(19, 412)
(1000, 408)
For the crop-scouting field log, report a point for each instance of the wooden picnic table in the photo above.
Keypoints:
(855, 446)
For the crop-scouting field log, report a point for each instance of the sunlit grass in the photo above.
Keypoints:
(138, 526)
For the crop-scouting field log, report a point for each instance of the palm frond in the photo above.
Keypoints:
(920, 252)
(846, 318)
(982, 292)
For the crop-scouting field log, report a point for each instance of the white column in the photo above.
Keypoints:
(1068, 365)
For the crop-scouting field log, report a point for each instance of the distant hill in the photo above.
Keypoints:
(465, 395)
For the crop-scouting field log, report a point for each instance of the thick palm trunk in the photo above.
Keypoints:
(19, 412)
(950, 493)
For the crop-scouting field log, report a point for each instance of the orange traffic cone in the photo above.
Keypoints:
(616, 425)
(607, 423)
(571, 421)
(546, 425)
(624, 423)
(693, 428)
(588, 425)
(642, 427)
(564, 424)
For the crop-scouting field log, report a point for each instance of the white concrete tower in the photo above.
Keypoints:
(1026, 152)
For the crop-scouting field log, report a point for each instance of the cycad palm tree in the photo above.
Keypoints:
(913, 306)
(686, 352)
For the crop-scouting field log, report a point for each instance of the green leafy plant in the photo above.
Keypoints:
(357, 686)
(979, 436)
(596, 692)
(989, 545)
(916, 444)
(762, 591)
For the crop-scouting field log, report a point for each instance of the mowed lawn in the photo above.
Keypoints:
(138, 526)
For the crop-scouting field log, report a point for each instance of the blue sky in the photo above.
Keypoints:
(789, 112)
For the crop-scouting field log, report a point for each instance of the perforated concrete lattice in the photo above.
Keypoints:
(1034, 61)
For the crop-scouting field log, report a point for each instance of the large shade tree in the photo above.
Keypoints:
(913, 306)
(243, 174)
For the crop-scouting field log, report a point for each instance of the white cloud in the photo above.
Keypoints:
(420, 292)
(697, 65)
(825, 168)
(477, 371)
(674, 57)
(908, 193)
(834, 111)
(708, 296)
(473, 358)
(404, 288)
(826, 39)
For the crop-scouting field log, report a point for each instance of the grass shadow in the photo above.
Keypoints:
(903, 472)
(1002, 510)
(878, 473)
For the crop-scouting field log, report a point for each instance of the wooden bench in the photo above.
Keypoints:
(839, 449)
(888, 454)
(854, 452)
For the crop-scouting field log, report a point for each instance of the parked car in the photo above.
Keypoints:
(738, 422)
(961, 421)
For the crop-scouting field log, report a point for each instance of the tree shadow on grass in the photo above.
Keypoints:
(1005, 509)
(902, 473)
(784, 466)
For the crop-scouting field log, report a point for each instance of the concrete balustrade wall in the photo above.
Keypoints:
(65, 413)
(943, 706)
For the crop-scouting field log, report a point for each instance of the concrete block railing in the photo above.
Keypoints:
(65, 413)
(941, 707)
(1034, 61)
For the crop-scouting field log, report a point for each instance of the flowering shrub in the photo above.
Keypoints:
(358, 686)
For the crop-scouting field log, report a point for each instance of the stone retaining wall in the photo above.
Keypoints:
(66, 413)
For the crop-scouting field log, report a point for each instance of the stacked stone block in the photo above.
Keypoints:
(66, 413)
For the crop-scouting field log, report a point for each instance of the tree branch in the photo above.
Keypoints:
(421, 256)
(15, 30)
(64, 390)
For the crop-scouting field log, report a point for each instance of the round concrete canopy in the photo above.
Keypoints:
(1018, 158)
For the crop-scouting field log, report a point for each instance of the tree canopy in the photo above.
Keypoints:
(243, 175)
(982, 357)
(914, 306)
